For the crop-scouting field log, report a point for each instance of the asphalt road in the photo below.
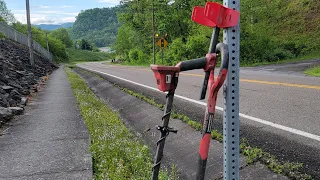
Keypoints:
(290, 100)
(279, 106)
(181, 149)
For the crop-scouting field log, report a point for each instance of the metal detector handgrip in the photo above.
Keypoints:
(199, 63)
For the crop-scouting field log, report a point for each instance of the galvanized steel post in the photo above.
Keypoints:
(231, 36)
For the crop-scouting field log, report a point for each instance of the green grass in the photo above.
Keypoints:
(76, 55)
(117, 153)
(253, 154)
(315, 71)
(2, 35)
(289, 169)
(309, 56)
(126, 63)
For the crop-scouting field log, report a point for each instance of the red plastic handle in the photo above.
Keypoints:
(198, 16)
(223, 17)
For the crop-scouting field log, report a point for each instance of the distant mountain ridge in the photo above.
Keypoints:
(51, 27)
(98, 25)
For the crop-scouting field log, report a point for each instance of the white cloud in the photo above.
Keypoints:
(56, 13)
(65, 6)
(68, 19)
(41, 7)
(41, 18)
(109, 1)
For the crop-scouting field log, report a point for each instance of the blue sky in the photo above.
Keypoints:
(54, 11)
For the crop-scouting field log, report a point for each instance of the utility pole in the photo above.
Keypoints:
(153, 34)
(47, 42)
(30, 42)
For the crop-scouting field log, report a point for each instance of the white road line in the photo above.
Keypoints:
(268, 123)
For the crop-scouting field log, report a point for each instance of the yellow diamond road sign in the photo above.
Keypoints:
(162, 43)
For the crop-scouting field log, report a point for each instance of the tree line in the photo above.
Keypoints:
(270, 30)
(59, 39)
(98, 26)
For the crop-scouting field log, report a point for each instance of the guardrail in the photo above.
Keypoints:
(23, 39)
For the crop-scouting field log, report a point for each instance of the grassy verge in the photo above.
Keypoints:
(315, 71)
(76, 55)
(310, 56)
(253, 154)
(117, 153)
(2, 35)
(125, 63)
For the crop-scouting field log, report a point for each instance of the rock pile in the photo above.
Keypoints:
(18, 78)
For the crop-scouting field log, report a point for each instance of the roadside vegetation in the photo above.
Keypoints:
(315, 71)
(78, 55)
(2, 35)
(117, 153)
(270, 32)
(253, 154)
(99, 25)
(56, 46)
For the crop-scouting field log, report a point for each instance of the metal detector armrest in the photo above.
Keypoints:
(166, 76)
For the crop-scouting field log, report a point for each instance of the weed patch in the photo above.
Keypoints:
(291, 170)
(253, 154)
(315, 71)
(117, 153)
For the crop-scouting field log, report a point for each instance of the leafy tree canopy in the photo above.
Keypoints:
(5, 14)
(271, 30)
(98, 25)
(63, 35)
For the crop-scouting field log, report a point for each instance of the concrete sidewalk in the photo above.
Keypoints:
(50, 141)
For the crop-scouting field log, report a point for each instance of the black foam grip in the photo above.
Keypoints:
(199, 63)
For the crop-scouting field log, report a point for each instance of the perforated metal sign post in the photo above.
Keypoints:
(231, 36)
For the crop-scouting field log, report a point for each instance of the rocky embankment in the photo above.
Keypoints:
(18, 80)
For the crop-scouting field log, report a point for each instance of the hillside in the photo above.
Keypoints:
(51, 27)
(98, 25)
(270, 31)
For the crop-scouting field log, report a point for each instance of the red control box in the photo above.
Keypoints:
(166, 77)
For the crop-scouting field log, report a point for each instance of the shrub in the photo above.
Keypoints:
(197, 46)
(2, 35)
(176, 52)
(56, 46)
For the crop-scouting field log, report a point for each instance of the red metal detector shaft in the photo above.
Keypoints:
(167, 80)
(213, 15)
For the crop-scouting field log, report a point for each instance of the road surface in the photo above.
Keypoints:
(278, 99)
(290, 100)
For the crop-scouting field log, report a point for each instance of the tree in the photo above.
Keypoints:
(6, 14)
(63, 35)
(99, 25)
(56, 46)
(85, 45)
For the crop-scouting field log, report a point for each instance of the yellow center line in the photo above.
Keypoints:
(280, 84)
(267, 82)
(245, 80)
